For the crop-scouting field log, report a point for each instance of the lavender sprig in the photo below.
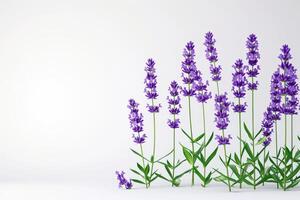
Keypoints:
(222, 120)
(151, 94)
(239, 81)
(189, 72)
(212, 56)
(123, 182)
(252, 71)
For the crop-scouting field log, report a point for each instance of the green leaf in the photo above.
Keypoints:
(248, 150)
(139, 155)
(199, 174)
(248, 132)
(187, 155)
(168, 171)
(136, 172)
(261, 140)
(140, 167)
(162, 177)
(147, 169)
(209, 139)
(236, 159)
(198, 138)
(187, 135)
(257, 134)
(138, 181)
(211, 156)
(183, 173)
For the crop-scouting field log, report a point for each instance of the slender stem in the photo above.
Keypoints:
(264, 165)
(276, 145)
(204, 140)
(292, 130)
(253, 135)
(226, 165)
(191, 131)
(240, 135)
(174, 154)
(154, 141)
(292, 138)
(285, 147)
(143, 160)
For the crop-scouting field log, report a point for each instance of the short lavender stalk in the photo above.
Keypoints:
(225, 157)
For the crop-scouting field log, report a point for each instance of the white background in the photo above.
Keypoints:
(67, 69)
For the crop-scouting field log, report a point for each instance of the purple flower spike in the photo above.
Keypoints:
(267, 123)
(174, 104)
(289, 78)
(252, 57)
(223, 140)
(200, 88)
(267, 141)
(136, 122)
(275, 95)
(239, 82)
(222, 111)
(212, 56)
(123, 181)
(189, 69)
(150, 85)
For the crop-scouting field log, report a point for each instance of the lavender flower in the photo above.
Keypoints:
(289, 88)
(222, 110)
(136, 122)
(174, 104)
(188, 68)
(150, 85)
(223, 140)
(275, 95)
(252, 57)
(123, 181)
(239, 82)
(267, 123)
(212, 56)
(200, 88)
(267, 141)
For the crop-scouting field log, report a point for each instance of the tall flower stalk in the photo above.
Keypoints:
(222, 121)
(252, 71)
(137, 125)
(151, 94)
(289, 91)
(239, 82)
(202, 96)
(189, 71)
(174, 109)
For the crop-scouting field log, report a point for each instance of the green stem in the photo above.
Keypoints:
(264, 165)
(143, 160)
(276, 145)
(154, 141)
(285, 147)
(292, 138)
(204, 130)
(191, 131)
(174, 155)
(253, 135)
(240, 135)
(226, 165)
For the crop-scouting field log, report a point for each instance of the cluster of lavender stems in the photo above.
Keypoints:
(283, 103)
(252, 71)
(189, 72)
(174, 110)
(151, 94)
(239, 82)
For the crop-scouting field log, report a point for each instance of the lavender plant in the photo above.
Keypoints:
(281, 168)
(189, 74)
(239, 82)
(151, 94)
(173, 123)
(136, 120)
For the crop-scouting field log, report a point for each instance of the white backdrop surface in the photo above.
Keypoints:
(68, 68)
